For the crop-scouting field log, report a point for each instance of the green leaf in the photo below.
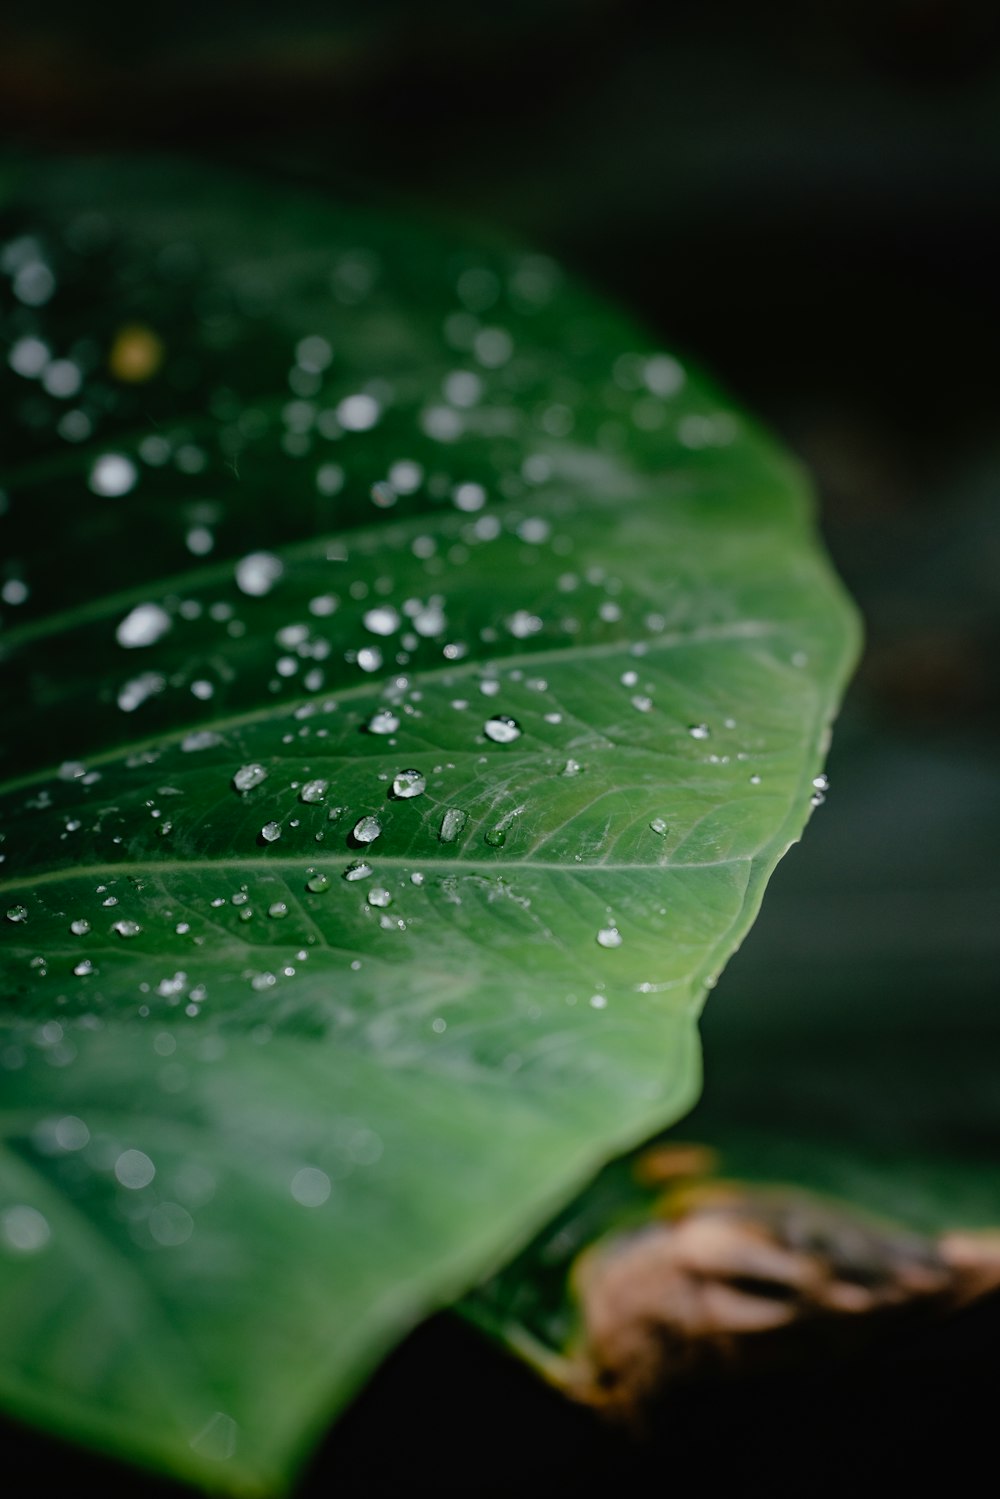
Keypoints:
(289, 487)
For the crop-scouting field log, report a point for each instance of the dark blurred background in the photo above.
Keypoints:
(803, 200)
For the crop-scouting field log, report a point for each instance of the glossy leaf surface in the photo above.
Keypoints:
(412, 677)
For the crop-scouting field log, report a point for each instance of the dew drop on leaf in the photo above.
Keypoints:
(383, 722)
(699, 731)
(249, 776)
(452, 823)
(502, 729)
(358, 871)
(313, 791)
(379, 897)
(271, 832)
(17, 913)
(658, 826)
(367, 829)
(277, 909)
(408, 783)
(609, 936)
(126, 927)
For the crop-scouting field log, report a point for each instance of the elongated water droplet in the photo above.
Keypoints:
(144, 626)
(699, 731)
(17, 913)
(127, 927)
(84, 967)
(358, 871)
(249, 776)
(452, 823)
(384, 721)
(314, 791)
(658, 826)
(367, 829)
(271, 832)
(502, 729)
(609, 936)
(277, 909)
(408, 783)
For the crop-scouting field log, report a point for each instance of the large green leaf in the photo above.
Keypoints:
(287, 487)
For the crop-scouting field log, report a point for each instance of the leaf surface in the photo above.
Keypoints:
(412, 676)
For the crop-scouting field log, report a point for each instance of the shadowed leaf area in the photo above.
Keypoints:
(412, 676)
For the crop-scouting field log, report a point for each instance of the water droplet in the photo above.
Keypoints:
(80, 927)
(249, 776)
(23, 1228)
(17, 913)
(609, 936)
(382, 620)
(598, 1002)
(144, 626)
(408, 783)
(379, 897)
(277, 909)
(502, 729)
(699, 731)
(369, 658)
(134, 1169)
(384, 721)
(318, 882)
(84, 967)
(642, 703)
(452, 823)
(313, 791)
(257, 573)
(310, 1187)
(358, 871)
(113, 475)
(367, 829)
(271, 832)
(755, 780)
(572, 768)
(658, 826)
(127, 927)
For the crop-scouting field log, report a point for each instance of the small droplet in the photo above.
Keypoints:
(658, 826)
(502, 729)
(699, 731)
(367, 829)
(384, 721)
(17, 913)
(84, 967)
(127, 927)
(452, 823)
(571, 768)
(277, 909)
(80, 927)
(408, 783)
(314, 791)
(257, 573)
(379, 897)
(113, 475)
(318, 882)
(144, 626)
(249, 776)
(369, 658)
(598, 1002)
(271, 832)
(609, 936)
(755, 780)
(641, 703)
(358, 871)
(382, 620)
